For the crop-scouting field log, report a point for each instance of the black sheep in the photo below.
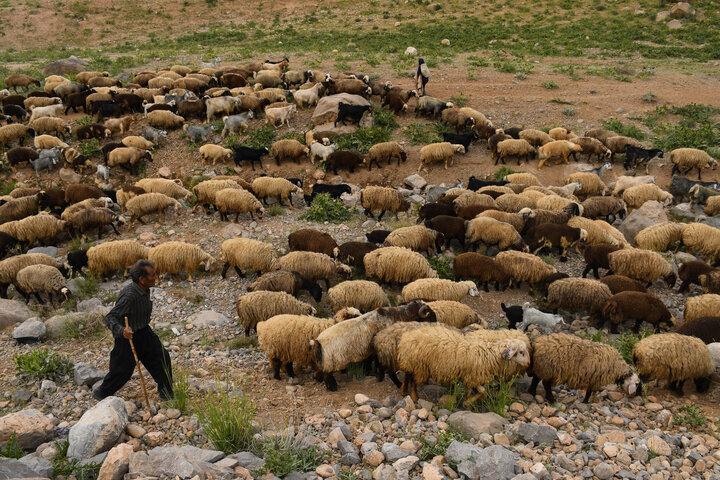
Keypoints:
(680, 187)
(18, 100)
(52, 198)
(94, 130)
(335, 191)
(354, 112)
(108, 109)
(353, 253)
(377, 236)
(596, 257)
(554, 235)
(18, 155)
(514, 314)
(475, 184)
(464, 139)
(450, 227)
(15, 112)
(252, 155)
(6, 243)
(311, 240)
(77, 260)
(689, 273)
(344, 159)
(109, 147)
(514, 132)
(635, 156)
(431, 210)
(77, 99)
(706, 329)
(130, 101)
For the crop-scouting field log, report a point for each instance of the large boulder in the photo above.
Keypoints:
(12, 312)
(649, 214)
(86, 374)
(329, 130)
(327, 108)
(58, 324)
(532, 432)
(116, 463)
(207, 318)
(11, 469)
(39, 465)
(30, 427)
(496, 462)
(66, 66)
(181, 462)
(98, 429)
(475, 424)
(31, 330)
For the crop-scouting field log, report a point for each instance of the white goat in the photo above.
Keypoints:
(533, 316)
(317, 149)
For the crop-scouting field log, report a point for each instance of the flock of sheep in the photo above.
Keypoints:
(431, 335)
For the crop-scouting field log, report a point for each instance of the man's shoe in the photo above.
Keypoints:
(97, 395)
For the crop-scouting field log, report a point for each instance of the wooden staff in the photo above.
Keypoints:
(137, 362)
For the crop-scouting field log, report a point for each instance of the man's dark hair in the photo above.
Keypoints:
(139, 270)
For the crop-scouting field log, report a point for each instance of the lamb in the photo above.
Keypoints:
(455, 118)
(578, 294)
(165, 119)
(383, 199)
(621, 283)
(447, 355)
(706, 329)
(47, 158)
(17, 132)
(41, 227)
(533, 316)
(660, 237)
(642, 265)
(35, 279)
(173, 257)
(605, 207)
(288, 282)
(18, 208)
(314, 266)
(591, 183)
(11, 266)
(461, 139)
(482, 269)
(591, 146)
(318, 150)
(580, 364)
(702, 239)
(397, 265)
(635, 156)
(48, 111)
(255, 307)
(233, 123)
(147, 203)
(360, 294)
(690, 272)
(416, 238)
(166, 187)
(215, 153)
(20, 80)
(596, 257)
(706, 305)
(625, 182)
(637, 195)
(311, 240)
(384, 151)
(137, 142)
(343, 159)
(638, 306)
(553, 235)
(278, 188)
(50, 125)
(676, 358)
(524, 267)
(493, 232)
(536, 138)
(685, 159)
(247, 254)
(519, 149)
(352, 340)
(430, 289)
(431, 106)
(128, 156)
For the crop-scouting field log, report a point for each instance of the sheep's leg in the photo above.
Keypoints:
(237, 216)
(275, 364)
(684, 286)
(224, 270)
(39, 298)
(330, 382)
(139, 219)
(381, 215)
(699, 170)
(613, 326)
(393, 376)
(289, 200)
(486, 288)
(380, 372)
(547, 385)
(289, 369)
(533, 385)
(678, 389)
(587, 395)
(636, 327)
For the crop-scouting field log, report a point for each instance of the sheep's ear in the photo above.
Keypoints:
(509, 352)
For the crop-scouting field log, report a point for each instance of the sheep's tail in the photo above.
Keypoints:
(502, 305)
(317, 349)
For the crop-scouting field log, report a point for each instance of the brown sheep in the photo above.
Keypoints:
(473, 266)
(637, 306)
(311, 240)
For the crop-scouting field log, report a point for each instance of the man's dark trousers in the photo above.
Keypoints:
(152, 355)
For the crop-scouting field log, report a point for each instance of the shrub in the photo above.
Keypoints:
(624, 129)
(90, 148)
(625, 343)
(65, 467)
(443, 267)
(499, 395)
(260, 137)
(7, 187)
(227, 419)
(561, 101)
(550, 85)
(324, 208)
(283, 456)
(502, 172)
(85, 120)
(43, 364)
(569, 112)
(649, 97)
(274, 210)
(12, 448)
(459, 100)
(181, 391)
(690, 415)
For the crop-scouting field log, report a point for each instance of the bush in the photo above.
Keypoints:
(625, 343)
(227, 420)
(283, 456)
(274, 210)
(324, 208)
(690, 415)
(550, 85)
(43, 364)
(85, 120)
(569, 112)
(90, 148)
(181, 391)
(624, 129)
(443, 267)
(502, 172)
(260, 137)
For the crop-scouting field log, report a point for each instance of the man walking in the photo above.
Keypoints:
(135, 304)
(422, 76)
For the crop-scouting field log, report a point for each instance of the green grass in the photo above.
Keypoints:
(7, 187)
(551, 85)
(625, 343)
(444, 439)
(502, 172)
(181, 390)
(365, 137)
(561, 101)
(649, 97)
(90, 148)
(242, 341)
(691, 415)
(499, 395)
(421, 134)
(274, 210)
(12, 448)
(64, 466)
(443, 267)
(460, 100)
(260, 137)
(227, 419)
(87, 286)
(85, 120)
(80, 327)
(356, 371)
(624, 129)
(324, 208)
(697, 127)
(43, 364)
(283, 456)
(569, 112)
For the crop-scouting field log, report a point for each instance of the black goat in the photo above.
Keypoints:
(635, 156)
(77, 260)
(333, 190)
(680, 187)
(474, 184)
(354, 112)
(252, 155)
(15, 112)
(464, 139)
(514, 314)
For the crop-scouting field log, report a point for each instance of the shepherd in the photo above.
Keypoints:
(422, 76)
(134, 303)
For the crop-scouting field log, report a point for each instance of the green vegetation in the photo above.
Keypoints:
(324, 208)
(691, 415)
(561, 101)
(365, 137)
(181, 391)
(443, 267)
(90, 148)
(43, 364)
(624, 129)
(499, 395)
(444, 439)
(697, 127)
(569, 112)
(274, 210)
(86, 120)
(459, 100)
(502, 172)
(242, 341)
(64, 466)
(12, 448)
(260, 137)
(283, 456)
(227, 418)
(87, 286)
(649, 97)
(551, 85)
(7, 187)
(625, 343)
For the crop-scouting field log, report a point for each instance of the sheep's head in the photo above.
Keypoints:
(517, 351)
(670, 279)
(713, 163)
(472, 288)
(207, 263)
(343, 270)
(65, 294)
(527, 213)
(583, 235)
(459, 148)
(630, 383)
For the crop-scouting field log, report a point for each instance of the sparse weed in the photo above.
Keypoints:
(43, 364)
(283, 456)
(649, 98)
(502, 172)
(459, 100)
(444, 439)
(241, 341)
(12, 448)
(691, 415)
(550, 85)
(625, 343)
(443, 267)
(324, 208)
(569, 112)
(499, 395)
(227, 418)
(623, 128)
(274, 210)
(90, 148)
(561, 101)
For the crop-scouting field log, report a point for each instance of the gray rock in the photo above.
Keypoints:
(175, 461)
(51, 251)
(385, 472)
(21, 396)
(393, 452)
(12, 312)
(30, 427)
(327, 109)
(475, 424)
(626, 474)
(532, 432)
(415, 181)
(249, 461)
(346, 447)
(200, 454)
(344, 428)
(603, 471)
(682, 9)
(206, 318)
(415, 198)
(92, 305)
(524, 476)
(459, 451)
(712, 221)
(407, 463)
(495, 462)
(58, 324)
(98, 429)
(294, 476)
(99, 458)
(350, 459)
(566, 463)
(11, 468)
(86, 374)
(72, 64)
(662, 16)
(633, 224)
(368, 447)
(682, 257)
(684, 211)
(434, 192)
(31, 329)
(41, 466)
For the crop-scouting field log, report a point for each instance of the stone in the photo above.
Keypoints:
(566, 463)
(207, 318)
(164, 172)
(386, 472)
(344, 412)
(539, 471)
(411, 51)
(49, 251)
(459, 451)
(393, 452)
(684, 211)
(431, 472)
(68, 175)
(407, 463)
(613, 436)
(66, 66)
(92, 305)
(374, 458)
(325, 471)
(475, 424)
(662, 16)
(116, 463)
(682, 10)
(31, 330)
(173, 413)
(517, 407)
(249, 461)
(346, 447)
(434, 7)
(86, 374)
(603, 471)
(434, 192)
(98, 429)
(11, 469)
(610, 450)
(58, 324)
(12, 312)
(154, 439)
(327, 109)
(659, 446)
(30, 427)
(445, 41)
(361, 399)
(415, 181)
(39, 465)
(654, 210)
(135, 430)
(674, 24)
(335, 436)
(637, 220)
(21, 395)
(184, 462)
(495, 462)
(532, 432)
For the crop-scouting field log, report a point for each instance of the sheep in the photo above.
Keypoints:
(447, 355)
(11, 266)
(430, 289)
(93, 130)
(126, 193)
(109, 256)
(461, 139)
(431, 106)
(314, 266)
(637, 195)
(41, 227)
(102, 202)
(247, 254)
(448, 228)
(482, 269)
(35, 279)
(675, 358)
(519, 149)
(173, 257)
(20, 80)
(660, 237)
(205, 191)
(605, 207)
(273, 116)
(278, 188)
(554, 235)
(689, 273)
(523, 178)
(702, 239)
(625, 182)
(428, 211)
(165, 119)
(128, 156)
(638, 306)
(17, 132)
(578, 294)
(18, 155)
(47, 158)
(512, 202)
(48, 111)
(50, 125)
(74, 159)
(383, 199)
(284, 281)
(353, 253)
(417, 238)
(642, 265)
(311, 240)
(536, 138)
(31, 103)
(166, 187)
(384, 151)
(52, 198)
(517, 220)
(539, 216)
(493, 232)
(524, 267)
(343, 159)
(473, 198)
(685, 159)
(618, 144)
(560, 133)
(591, 183)
(147, 203)
(397, 265)
(18, 208)
(591, 146)
(621, 283)
(706, 305)
(596, 234)
(352, 340)
(318, 150)
(137, 142)
(596, 256)
(706, 329)
(86, 219)
(560, 358)
(255, 307)
(215, 153)
(237, 200)
(19, 192)
(288, 149)
(385, 344)
(613, 233)
(710, 282)
(360, 294)
(635, 156)
(13, 112)
(455, 118)
(533, 316)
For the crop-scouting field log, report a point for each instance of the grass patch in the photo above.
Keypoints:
(690, 415)
(64, 466)
(85, 120)
(499, 396)
(78, 327)
(274, 210)
(697, 127)
(324, 208)
(444, 439)
(459, 100)
(260, 137)
(356, 371)
(421, 133)
(181, 391)
(283, 456)
(227, 420)
(7, 187)
(625, 129)
(561, 101)
(502, 172)
(242, 342)
(90, 148)
(12, 448)
(569, 112)
(513, 65)
(625, 343)
(43, 364)
(649, 98)
(443, 267)
(549, 85)
(87, 286)
(365, 137)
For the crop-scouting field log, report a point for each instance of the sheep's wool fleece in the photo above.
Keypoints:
(671, 356)
(286, 337)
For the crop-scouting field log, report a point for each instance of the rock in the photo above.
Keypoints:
(68, 176)
(475, 424)
(495, 462)
(135, 430)
(374, 458)
(249, 461)
(185, 462)
(662, 16)
(325, 471)
(682, 257)
(445, 41)
(116, 463)
(164, 172)
(154, 439)
(532, 432)
(434, 7)
(87, 374)
(434, 192)
(39, 465)
(346, 447)
(92, 305)
(682, 10)
(50, 251)
(206, 318)
(407, 463)
(335, 436)
(30, 427)
(659, 446)
(21, 396)
(614, 436)
(459, 451)
(58, 324)
(539, 471)
(415, 181)
(98, 429)
(361, 399)
(654, 210)
(603, 471)
(393, 452)
(610, 450)
(684, 211)
(12, 312)
(11, 469)
(367, 120)
(67, 66)
(31, 330)
(431, 472)
(327, 109)
(674, 24)
(635, 222)
(386, 472)
(411, 51)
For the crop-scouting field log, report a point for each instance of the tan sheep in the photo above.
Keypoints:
(637, 195)
(384, 199)
(702, 239)
(137, 142)
(215, 153)
(397, 265)
(50, 125)
(660, 237)
(247, 254)
(472, 198)
(556, 203)
(642, 265)
(560, 133)
(519, 149)
(438, 152)
(117, 255)
(712, 206)
(15, 132)
(524, 267)
(579, 295)
(591, 146)
(11, 266)
(255, 307)
(102, 202)
(164, 119)
(148, 203)
(174, 257)
(361, 294)
(41, 227)
(492, 232)
(707, 305)
(430, 289)
(385, 343)
(617, 144)
(685, 159)
(515, 219)
(456, 314)
(18, 208)
(385, 151)
(238, 200)
(36, 279)
(314, 266)
(624, 182)
(478, 118)
(523, 178)
(167, 187)
(556, 148)
(615, 234)
(591, 183)
(536, 138)
(417, 238)
(277, 188)
(595, 233)
(43, 142)
(128, 156)
(513, 202)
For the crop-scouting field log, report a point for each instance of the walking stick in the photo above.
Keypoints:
(137, 362)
